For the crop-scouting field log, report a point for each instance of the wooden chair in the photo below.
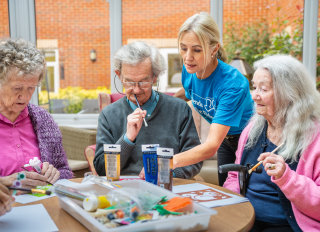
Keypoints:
(89, 154)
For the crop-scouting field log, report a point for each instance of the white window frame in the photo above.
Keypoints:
(22, 16)
(85, 121)
(55, 66)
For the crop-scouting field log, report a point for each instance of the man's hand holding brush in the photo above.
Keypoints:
(134, 123)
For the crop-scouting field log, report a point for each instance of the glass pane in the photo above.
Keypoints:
(50, 56)
(158, 23)
(67, 35)
(48, 82)
(73, 32)
(4, 20)
(274, 27)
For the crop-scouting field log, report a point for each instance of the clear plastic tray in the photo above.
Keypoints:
(192, 222)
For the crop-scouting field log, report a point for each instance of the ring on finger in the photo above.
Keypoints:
(271, 166)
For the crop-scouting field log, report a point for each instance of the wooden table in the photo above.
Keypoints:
(237, 217)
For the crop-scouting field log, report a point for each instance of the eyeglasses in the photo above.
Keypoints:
(131, 85)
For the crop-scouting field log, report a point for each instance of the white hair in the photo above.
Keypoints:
(297, 105)
(135, 53)
(21, 57)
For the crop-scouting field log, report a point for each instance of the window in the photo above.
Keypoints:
(67, 34)
(51, 82)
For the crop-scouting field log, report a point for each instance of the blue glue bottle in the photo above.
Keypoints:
(150, 162)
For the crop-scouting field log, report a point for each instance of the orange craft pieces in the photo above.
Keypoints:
(179, 204)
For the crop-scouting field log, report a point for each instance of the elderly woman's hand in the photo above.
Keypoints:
(50, 172)
(32, 179)
(6, 198)
(273, 164)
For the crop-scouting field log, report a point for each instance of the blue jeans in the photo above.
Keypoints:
(227, 154)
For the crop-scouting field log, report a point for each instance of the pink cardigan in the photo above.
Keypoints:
(301, 187)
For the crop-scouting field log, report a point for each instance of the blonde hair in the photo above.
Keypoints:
(206, 29)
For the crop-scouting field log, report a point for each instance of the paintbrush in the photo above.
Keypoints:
(47, 192)
(260, 162)
(145, 122)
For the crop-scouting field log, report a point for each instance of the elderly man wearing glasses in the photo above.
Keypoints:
(168, 120)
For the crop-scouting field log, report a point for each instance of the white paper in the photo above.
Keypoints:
(28, 198)
(130, 178)
(29, 218)
(207, 196)
(68, 183)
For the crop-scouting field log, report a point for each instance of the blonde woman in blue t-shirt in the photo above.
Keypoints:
(219, 92)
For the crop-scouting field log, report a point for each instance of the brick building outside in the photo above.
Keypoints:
(69, 29)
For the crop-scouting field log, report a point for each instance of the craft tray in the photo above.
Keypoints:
(192, 222)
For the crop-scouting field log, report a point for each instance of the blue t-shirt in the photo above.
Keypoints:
(224, 97)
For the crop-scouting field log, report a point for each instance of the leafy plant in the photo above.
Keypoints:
(260, 39)
(250, 40)
(73, 95)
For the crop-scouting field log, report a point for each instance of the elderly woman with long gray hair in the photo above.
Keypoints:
(286, 195)
(27, 132)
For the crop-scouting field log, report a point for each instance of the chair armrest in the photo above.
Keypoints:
(209, 171)
(104, 99)
(89, 154)
(77, 165)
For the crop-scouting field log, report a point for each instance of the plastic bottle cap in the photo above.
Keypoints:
(90, 203)
(103, 202)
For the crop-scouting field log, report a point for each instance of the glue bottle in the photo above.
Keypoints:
(113, 201)
(150, 162)
(93, 202)
(112, 161)
(165, 167)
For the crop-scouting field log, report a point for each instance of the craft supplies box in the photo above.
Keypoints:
(191, 222)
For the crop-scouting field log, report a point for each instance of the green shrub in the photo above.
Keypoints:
(251, 40)
(75, 96)
(260, 39)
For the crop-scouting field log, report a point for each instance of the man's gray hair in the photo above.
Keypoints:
(21, 57)
(296, 101)
(135, 53)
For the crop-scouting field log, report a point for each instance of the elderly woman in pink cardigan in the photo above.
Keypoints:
(29, 138)
(286, 195)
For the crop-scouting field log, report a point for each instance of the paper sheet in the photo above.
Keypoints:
(207, 196)
(28, 198)
(29, 218)
(130, 178)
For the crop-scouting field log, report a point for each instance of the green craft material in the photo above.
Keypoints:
(162, 211)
